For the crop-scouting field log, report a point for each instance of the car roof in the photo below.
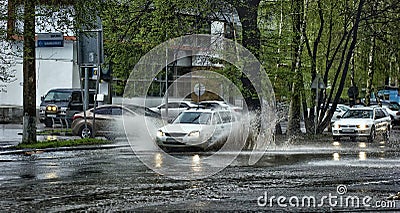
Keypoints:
(112, 105)
(183, 101)
(217, 102)
(364, 108)
(68, 90)
(206, 110)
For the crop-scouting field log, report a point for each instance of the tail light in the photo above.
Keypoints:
(76, 117)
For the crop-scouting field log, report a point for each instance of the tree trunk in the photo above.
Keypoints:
(248, 15)
(293, 127)
(309, 116)
(29, 74)
(354, 37)
(371, 71)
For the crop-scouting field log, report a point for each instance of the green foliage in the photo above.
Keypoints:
(132, 28)
(62, 143)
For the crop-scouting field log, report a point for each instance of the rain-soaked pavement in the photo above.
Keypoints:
(314, 176)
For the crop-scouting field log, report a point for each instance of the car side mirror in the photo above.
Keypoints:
(159, 107)
(42, 98)
(338, 116)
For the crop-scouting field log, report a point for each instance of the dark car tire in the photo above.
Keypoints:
(85, 132)
(386, 135)
(371, 136)
(48, 123)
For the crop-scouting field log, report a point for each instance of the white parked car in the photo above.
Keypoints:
(362, 122)
(393, 109)
(219, 105)
(174, 108)
(340, 110)
(197, 127)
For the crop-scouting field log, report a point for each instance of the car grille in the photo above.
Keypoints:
(348, 126)
(174, 134)
(172, 141)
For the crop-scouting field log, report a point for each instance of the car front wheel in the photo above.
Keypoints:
(86, 132)
(48, 123)
(387, 134)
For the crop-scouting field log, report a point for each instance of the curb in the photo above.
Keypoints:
(58, 149)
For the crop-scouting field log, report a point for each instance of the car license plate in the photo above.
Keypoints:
(51, 116)
(348, 130)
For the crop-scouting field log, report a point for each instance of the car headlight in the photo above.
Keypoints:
(362, 126)
(194, 134)
(160, 133)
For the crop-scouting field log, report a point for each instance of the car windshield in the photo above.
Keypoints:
(193, 118)
(394, 106)
(57, 96)
(358, 114)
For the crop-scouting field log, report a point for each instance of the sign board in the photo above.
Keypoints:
(90, 48)
(199, 89)
(50, 40)
(318, 83)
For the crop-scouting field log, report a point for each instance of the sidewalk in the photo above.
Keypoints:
(11, 135)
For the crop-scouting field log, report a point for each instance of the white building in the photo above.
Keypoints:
(55, 68)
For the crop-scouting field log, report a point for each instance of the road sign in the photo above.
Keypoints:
(90, 48)
(199, 89)
(318, 83)
(50, 40)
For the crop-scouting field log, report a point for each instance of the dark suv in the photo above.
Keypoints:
(60, 105)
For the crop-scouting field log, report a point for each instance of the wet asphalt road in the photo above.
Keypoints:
(335, 174)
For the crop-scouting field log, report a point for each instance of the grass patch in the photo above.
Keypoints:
(63, 143)
(55, 132)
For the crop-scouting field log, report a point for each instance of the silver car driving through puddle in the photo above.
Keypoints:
(197, 128)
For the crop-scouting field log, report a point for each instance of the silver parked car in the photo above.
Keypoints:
(108, 122)
(362, 122)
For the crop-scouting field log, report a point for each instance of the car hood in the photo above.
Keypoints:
(62, 103)
(353, 121)
(185, 128)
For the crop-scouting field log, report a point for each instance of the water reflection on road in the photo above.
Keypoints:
(115, 179)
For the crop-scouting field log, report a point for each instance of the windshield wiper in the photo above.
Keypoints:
(195, 118)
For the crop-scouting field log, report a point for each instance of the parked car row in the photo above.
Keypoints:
(176, 107)
(196, 126)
